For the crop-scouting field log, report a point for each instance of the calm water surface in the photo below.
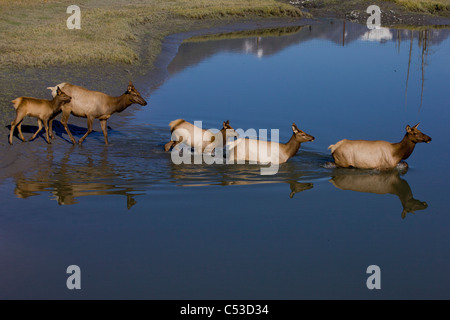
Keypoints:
(141, 227)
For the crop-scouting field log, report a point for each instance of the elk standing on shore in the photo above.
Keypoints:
(42, 109)
(94, 105)
(197, 138)
(379, 155)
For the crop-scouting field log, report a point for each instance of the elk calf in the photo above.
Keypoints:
(43, 110)
(94, 105)
(380, 155)
(195, 137)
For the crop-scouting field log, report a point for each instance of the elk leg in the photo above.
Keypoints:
(50, 124)
(39, 129)
(104, 129)
(173, 144)
(19, 128)
(46, 131)
(50, 128)
(13, 125)
(89, 123)
(64, 120)
(168, 145)
(17, 121)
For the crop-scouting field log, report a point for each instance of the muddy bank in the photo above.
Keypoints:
(392, 14)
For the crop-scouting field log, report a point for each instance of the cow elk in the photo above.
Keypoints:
(244, 149)
(94, 105)
(381, 155)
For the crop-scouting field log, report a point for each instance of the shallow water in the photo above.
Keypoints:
(141, 227)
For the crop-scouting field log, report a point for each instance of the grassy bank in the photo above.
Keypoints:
(411, 13)
(439, 7)
(34, 32)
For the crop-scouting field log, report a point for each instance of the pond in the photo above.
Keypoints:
(140, 226)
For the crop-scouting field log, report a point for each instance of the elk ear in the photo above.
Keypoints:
(415, 127)
(58, 91)
(294, 128)
(130, 86)
(224, 124)
(408, 129)
(228, 122)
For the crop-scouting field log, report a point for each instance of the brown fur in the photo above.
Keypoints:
(95, 105)
(376, 154)
(16, 102)
(245, 149)
(43, 110)
(192, 140)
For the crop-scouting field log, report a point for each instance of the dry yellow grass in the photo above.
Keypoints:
(426, 6)
(34, 32)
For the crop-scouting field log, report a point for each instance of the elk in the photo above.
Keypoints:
(197, 138)
(381, 155)
(244, 149)
(386, 182)
(42, 109)
(94, 105)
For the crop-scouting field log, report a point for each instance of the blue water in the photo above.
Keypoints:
(139, 226)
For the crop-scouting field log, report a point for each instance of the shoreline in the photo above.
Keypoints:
(393, 13)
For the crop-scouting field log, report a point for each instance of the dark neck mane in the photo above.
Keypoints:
(404, 147)
(121, 103)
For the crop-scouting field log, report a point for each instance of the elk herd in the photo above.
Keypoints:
(69, 99)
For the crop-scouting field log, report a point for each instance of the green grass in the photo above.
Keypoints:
(34, 32)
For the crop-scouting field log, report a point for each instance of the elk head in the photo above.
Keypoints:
(135, 96)
(416, 135)
(301, 136)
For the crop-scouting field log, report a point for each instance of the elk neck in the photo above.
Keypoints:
(223, 131)
(291, 147)
(118, 104)
(405, 147)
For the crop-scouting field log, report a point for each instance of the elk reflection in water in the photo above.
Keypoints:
(190, 175)
(68, 180)
(387, 182)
